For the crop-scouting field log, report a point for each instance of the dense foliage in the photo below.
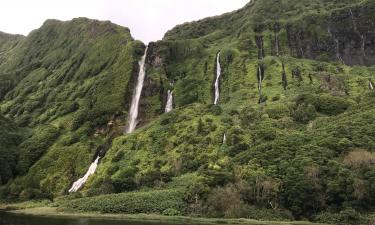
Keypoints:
(9, 139)
(301, 147)
(62, 85)
(156, 201)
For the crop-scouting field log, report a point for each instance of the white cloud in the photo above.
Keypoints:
(147, 19)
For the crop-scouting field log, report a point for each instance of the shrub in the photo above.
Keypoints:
(359, 158)
(155, 201)
(225, 202)
(263, 98)
(277, 111)
(35, 146)
(276, 98)
(215, 110)
(249, 115)
(303, 113)
(331, 105)
(171, 212)
(256, 213)
(347, 216)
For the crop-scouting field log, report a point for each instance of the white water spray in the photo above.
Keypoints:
(217, 84)
(260, 78)
(81, 181)
(133, 114)
(224, 138)
(169, 105)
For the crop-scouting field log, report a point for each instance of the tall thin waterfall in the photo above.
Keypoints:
(81, 181)
(169, 105)
(133, 114)
(224, 138)
(260, 79)
(217, 82)
(337, 43)
(371, 85)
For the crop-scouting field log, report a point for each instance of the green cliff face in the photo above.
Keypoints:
(295, 108)
(292, 151)
(63, 84)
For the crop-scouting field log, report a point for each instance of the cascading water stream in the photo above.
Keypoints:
(169, 105)
(337, 43)
(224, 138)
(260, 79)
(133, 114)
(371, 85)
(217, 82)
(81, 181)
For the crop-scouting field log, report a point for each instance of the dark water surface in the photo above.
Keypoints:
(17, 219)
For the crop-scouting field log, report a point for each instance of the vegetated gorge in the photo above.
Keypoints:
(265, 113)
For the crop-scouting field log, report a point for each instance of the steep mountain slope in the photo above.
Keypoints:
(303, 29)
(7, 43)
(291, 135)
(65, 82)
(302, 149)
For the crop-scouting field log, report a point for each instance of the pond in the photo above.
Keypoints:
(18, 219)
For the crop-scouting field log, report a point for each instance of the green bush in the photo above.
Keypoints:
(215, 110)
(155, 201)
(256, 213)
(347, 216)
(249, 115)
(277, 111)
(225, 202)
(303, 113)
(171, 212)
(33, 148)
(331, 105)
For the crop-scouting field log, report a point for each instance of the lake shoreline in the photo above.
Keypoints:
(57, 212)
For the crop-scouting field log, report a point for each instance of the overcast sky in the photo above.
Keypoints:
(148, 20)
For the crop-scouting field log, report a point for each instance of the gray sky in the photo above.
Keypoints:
(148, 20)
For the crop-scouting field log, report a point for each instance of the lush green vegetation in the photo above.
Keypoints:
(167, 202)
(62, 84)
(9, 139)
(301, 148)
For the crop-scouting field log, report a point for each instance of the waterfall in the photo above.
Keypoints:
(337, 42)
(363, 38)
(169, 105)
(260, 79)
(217, 84)
(277, 44)
(81, 181)
(338, 49)
(371, 85)
(224, 138)
(363, 45)
(133, 114)
(277, 30)
(259, 43)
